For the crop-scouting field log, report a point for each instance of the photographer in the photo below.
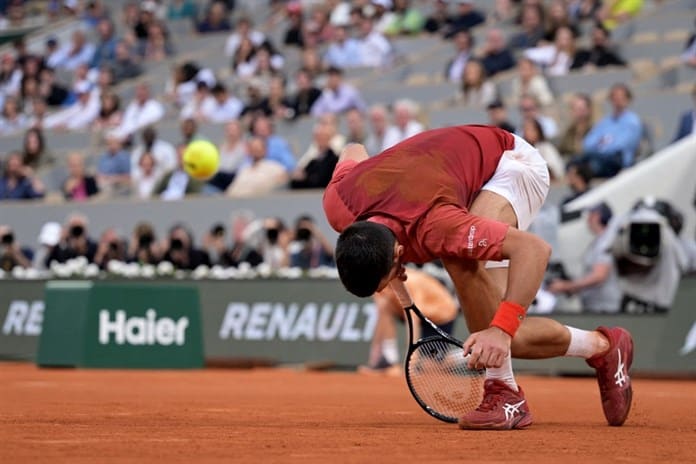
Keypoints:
(242, 250)
(111, 248)
(143, 247)
(214, 243)
(180, 251)
(310, 248)
(76, 241)
(11, 254)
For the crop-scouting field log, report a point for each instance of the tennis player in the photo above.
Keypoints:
(437, 304)
(466, 195)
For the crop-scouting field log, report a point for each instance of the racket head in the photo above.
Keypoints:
(439, 379)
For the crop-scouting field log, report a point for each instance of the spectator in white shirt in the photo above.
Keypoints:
(77, 52)
(405, 123)
(463, 43)
(141, 112)
(146, 177)
(555, 58)
(222, 107)
(10, 76)
(375, 49)
(232, 156)
(194, 108)
(243, 30)
(78, 116)
(379, 126)
(337, 96)
(163, 152)
(53, 54)
(529, 81)
(259, 177)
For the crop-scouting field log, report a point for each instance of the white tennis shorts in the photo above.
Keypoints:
(522, 178)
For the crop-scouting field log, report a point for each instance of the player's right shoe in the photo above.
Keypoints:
(612, 369)
(501, 409)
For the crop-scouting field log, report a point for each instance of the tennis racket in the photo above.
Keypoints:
(436, 368)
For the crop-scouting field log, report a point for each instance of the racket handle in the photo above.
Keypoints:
(401, 292)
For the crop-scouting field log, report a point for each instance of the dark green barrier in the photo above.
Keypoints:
(104, 324)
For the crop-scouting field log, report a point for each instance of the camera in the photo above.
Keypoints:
(145, 240)
(8, 239)
(113, 247)
(303, 234)
(77, 231)
(218, 230)
(177, 244)
(272, 235)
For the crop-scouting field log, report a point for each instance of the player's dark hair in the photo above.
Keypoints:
(364, 256)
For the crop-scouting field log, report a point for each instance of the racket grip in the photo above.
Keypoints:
(401, 292)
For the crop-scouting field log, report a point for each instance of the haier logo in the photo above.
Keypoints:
(148, 330)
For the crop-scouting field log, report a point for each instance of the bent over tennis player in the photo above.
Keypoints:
(466, 195)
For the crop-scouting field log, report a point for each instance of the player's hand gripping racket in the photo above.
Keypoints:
(436, 368)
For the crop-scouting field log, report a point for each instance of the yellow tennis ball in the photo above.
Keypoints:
(201, 159)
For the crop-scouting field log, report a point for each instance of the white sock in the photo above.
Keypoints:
(503, 373)
(585, 343)
(390, 350)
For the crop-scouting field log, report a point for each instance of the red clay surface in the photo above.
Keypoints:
(281, 415)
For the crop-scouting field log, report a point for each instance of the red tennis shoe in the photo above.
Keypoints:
(501, 409)
(612, 374)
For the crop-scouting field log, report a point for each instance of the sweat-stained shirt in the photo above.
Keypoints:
(422, 189)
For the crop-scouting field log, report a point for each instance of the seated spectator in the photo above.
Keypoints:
(309, 248)
(176, 183)
(578, 178)
(600, 54)
(264, 63)
(259, 177)
(146, 177)
(311, 62)
(181, 251)
(53, 93)
(498, 117)
(78, 52)
(78, 116)
(580, 10)
(612, 143)
(496, 56)
(598, 287)
(615, 12)
(162, 151)
(158, 45)
(125, 65)
(216, 19)
(405, 123)
(530, 109)
(182, 82)
(294, 33)
(687, 122)
(243, 56)
(193, 108)
(105, 49)
(439, 19)
(53, 52)
(12, 119)
(232, 156)
(357, 130)
(114, 166)
(532, 28)
(375, 50)
(79, 186)
(555, 59)
(244, 31)
(111, 247)
(110, 114)
(466, 17)
(277, 148)
(344, 51)
(39, 113)
(475, 89)
(256, 103)
(11, 253)
(581, 121)
(141, 112)
(531, 82)
(688, 56)
(463, 43)
(18, 181)
(189, 131)
(35, 154)
(318, 29)
(182, 10)
(406, 20)
(222, 107)
(534, 134)
(143, 247)
(559, 16)
(337, 96)
(315, 168)
(93, 13)
(379, 126)
(75, 241)
(306, 94)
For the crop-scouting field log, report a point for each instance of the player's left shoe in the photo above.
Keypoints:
(612, 374)
(502, 408)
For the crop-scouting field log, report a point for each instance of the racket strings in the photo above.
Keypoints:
(439, 377)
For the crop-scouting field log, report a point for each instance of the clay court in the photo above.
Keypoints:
(284, 415)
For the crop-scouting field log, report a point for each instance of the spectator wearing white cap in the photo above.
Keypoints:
(77, 116)
(48, 239)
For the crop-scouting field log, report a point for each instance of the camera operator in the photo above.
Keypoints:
(274, 244)
(11, 254)
(310, 248)
(111, 248)
(143, 247)
(76, 241)
(181, 252)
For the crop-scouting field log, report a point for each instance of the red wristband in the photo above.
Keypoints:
(508, 317)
